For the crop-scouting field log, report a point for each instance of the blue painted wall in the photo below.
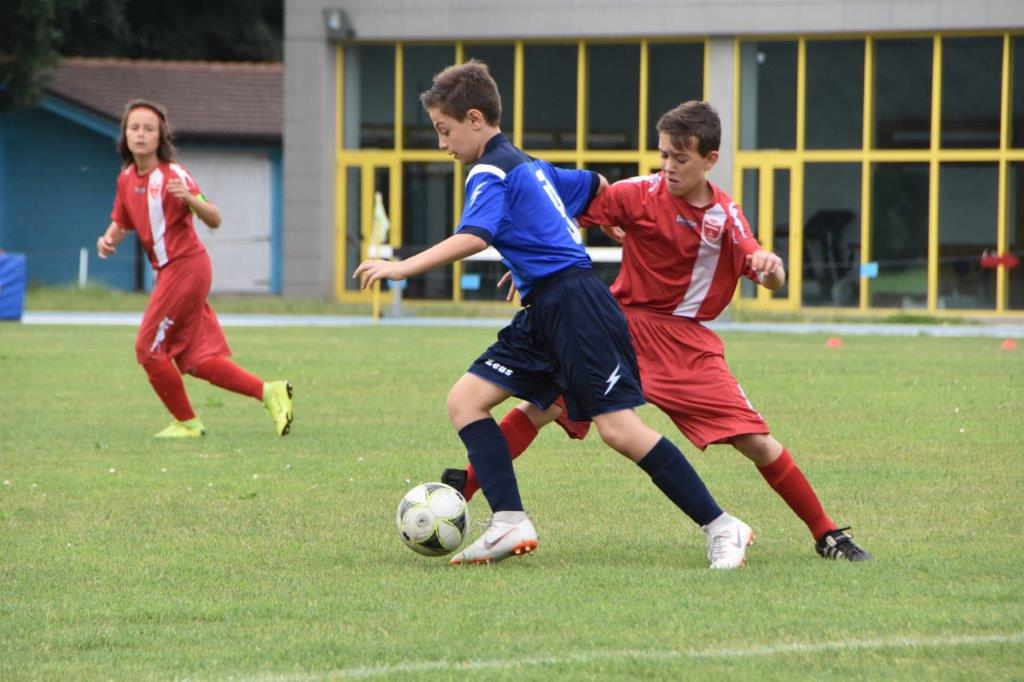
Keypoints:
(57, 181)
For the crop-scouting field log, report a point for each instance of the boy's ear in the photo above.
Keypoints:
(475, 118)
(710, 160)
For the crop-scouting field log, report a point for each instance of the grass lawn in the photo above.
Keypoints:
(243, 556)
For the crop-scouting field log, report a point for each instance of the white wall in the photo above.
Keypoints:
(239, 183)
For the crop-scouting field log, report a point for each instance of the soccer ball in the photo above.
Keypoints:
(432, 519)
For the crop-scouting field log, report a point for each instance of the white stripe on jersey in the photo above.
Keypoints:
(180, 171)
(703, 268)
(485, 168)
(734, 213)
(157, 222)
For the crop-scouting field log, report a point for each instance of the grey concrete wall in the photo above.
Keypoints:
(448, 19)
(309, 84)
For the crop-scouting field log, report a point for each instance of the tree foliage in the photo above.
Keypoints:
(34, 33)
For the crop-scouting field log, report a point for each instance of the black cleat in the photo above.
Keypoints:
(838, 544)
(456, 478)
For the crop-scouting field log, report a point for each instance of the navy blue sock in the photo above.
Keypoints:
(492, 462)
(670, 471)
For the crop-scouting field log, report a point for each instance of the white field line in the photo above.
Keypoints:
(587, 657)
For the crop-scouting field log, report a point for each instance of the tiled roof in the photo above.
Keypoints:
(241, 101)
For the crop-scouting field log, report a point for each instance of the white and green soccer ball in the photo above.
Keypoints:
(432, 519)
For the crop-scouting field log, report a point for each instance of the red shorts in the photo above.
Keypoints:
(179, 323)
(683, 372)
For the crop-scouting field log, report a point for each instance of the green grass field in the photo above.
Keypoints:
(244, 556)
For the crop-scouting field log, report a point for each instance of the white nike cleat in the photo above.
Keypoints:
(501, 540)
(728, 539)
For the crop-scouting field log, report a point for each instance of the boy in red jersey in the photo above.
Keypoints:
(685, 246)
(156, 198)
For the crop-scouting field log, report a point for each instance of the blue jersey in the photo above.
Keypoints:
(525, 208)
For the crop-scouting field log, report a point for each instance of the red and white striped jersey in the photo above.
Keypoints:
(677, 259)
(162, 221)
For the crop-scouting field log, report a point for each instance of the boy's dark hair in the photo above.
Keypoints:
(165, 150)
(693, 120)
(462, 87)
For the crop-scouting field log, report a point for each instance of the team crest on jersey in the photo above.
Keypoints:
(711, 229)
(154, 190)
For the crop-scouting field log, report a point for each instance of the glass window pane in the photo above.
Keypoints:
(369, 96)
(971, 82)
(613, 75)
(899, 235)
(428, 218)
(1017, 103)
(549, 97)
(420, 64)
(968, 205)
(751, 208)
(1015, 236)
(835, 94)
(903, 93)
(831, 269)
(768, 95)
(353, 224)
(780, 224)
(675, 74)
(501, 60)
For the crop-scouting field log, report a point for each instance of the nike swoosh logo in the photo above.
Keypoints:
(738, 542)
(490, 545)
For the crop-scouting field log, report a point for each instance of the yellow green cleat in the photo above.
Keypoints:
(193, 428)
(277, 398)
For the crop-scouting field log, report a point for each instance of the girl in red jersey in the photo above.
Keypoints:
(156, 198)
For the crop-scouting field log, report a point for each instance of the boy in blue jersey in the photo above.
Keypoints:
(570, 338)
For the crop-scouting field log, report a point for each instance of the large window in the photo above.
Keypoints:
(899, 235)
(831, 248)
(835, 94)
(903, 93)
(428, 218)
(501, 61)
(1017, 96)
(968, 205)
(971, 92)
(369, 96)
(613, 96)
(1015, 237)
(675, 74)
(549, 106)
(422, 62)
(768, 95)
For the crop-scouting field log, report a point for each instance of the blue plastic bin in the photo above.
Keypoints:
(12, 285)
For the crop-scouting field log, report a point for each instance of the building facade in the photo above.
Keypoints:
(878, 147)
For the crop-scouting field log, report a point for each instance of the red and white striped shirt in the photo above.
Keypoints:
(162, 221)
(677, 259)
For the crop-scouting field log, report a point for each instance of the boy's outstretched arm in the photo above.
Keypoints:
(454, 248)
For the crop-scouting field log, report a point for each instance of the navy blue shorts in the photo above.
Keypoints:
(572, 340)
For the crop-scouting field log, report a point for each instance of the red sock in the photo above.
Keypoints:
(221, 372)
(785, 478)
(166, 381)
(519, 431)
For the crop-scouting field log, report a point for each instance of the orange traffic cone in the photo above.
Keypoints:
(1009, 344)
(834, 342)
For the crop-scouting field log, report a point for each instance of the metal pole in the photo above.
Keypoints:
(83, 267)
